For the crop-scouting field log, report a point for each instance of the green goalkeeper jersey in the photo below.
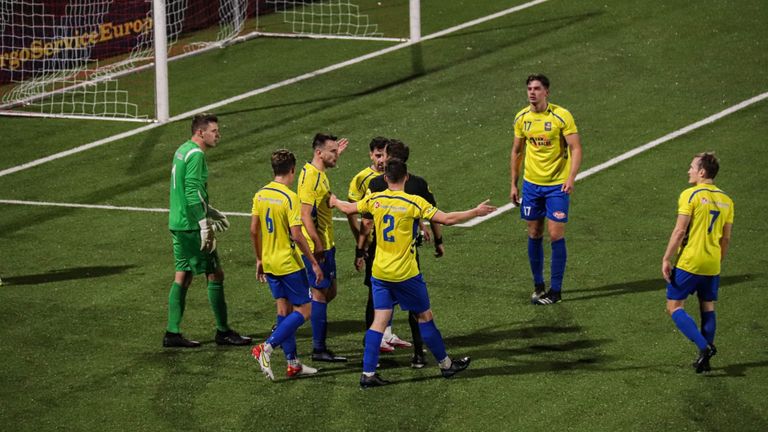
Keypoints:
(189, 188)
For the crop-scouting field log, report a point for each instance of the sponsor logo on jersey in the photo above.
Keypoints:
(559, 215)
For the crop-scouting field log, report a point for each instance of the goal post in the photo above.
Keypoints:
(65, 58)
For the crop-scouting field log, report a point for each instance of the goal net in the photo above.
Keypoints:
(65, 58)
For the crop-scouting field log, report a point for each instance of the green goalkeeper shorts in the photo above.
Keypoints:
(189, 257)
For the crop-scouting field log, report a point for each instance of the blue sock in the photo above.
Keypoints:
(319, 320)
(371, 353)
(433, 339)
(559, 256)
(286, 329)
(708, 326)
(288, 345)
(536, 258)
(687, 326)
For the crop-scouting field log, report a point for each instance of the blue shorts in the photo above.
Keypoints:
(328, 266)
(684, 284)
(540, 201)
(293, 286)
(410, 293)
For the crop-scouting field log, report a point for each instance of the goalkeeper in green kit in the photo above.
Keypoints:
(192, 223)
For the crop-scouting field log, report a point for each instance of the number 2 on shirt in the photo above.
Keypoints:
(389, 220)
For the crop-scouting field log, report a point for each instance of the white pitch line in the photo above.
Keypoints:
(261, 90)
(636, 151)
(111, 207)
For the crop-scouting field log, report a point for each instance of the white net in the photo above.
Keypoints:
(335, 17)
(66, 57)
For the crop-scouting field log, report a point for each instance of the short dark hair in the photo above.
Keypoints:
(709, 163)
(319, 140)
(396, 170)
(201, 121)
(378, 143)
(283, 162)
(397, 149)
(538, 77)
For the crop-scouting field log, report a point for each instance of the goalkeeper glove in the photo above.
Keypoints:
(217, 220)
(207, 239)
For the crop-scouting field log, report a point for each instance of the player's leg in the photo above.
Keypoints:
(682, 285)
(215, 275)
(186, 246)
(418, 360)
(557, 206)
(383, 302)
(707, 294)
(321, 296)
(413, 296)
(533, 211)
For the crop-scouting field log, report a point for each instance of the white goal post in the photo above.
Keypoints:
(65, 58)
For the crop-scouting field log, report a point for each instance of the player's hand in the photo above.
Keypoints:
(319, 254)
(343, 143)
(514, 194)
(260, 275)
(483, 208)
(207, 239)
(332, 201)
(359, 263)
(568, 186)
(318, 273)
(439, 250)
(666, 270)
(426, 234)
(217, 220)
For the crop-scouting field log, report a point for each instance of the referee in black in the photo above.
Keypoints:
(414, 185)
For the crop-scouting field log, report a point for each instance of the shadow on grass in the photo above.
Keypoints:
(646, 285)
(737, 370)
(66, 274)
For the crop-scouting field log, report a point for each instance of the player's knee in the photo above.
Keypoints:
(425, 316)
(672, 308)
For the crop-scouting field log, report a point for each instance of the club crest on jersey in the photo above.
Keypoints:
(376, 204)
(704, 200)
(559, 215)
(548, 126)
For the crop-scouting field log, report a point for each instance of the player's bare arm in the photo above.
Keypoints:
(515, 162)
(453, 218)
(256, 240)
(298, 238)
(574, 145)
(675, 240)
(309, 225)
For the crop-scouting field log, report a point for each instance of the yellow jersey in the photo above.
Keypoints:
(547, 156)
(278, 209)
(359, 184)
(710, 209)
(315, 190)
(395, 218)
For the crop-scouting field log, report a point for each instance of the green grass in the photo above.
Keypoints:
(83, 303)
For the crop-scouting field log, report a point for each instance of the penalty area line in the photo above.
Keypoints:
(112, 207)
(636, 151)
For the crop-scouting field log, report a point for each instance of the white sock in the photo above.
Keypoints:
(445, 363)
(294, 363)
(268, 348)
(388, 333)
(369, 374)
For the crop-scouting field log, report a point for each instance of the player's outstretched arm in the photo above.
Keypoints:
(345, 206)
(675, 240)
(453, 218)
(298, 238)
